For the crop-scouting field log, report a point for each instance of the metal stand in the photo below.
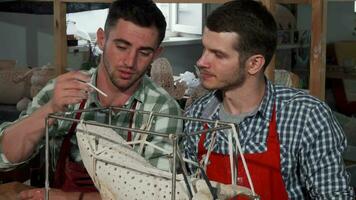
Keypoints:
(174, 137)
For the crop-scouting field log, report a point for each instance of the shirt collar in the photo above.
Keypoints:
(93, 96)
(211, 107)
(139, 94)
(265, 109)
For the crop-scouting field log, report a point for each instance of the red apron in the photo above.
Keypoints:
(69, 175)
(264, 168)
(72, 176)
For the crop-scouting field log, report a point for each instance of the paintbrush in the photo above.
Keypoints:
(95, 88)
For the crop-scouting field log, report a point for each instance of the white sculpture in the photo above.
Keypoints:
(119, 172)
(162, 75)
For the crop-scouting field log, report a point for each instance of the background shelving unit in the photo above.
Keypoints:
(317, 47)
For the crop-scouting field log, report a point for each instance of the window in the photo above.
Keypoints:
(183, 18)
(85, 24)
(187, 18)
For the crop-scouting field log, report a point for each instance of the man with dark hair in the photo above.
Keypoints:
(134, 30)
(291, 141)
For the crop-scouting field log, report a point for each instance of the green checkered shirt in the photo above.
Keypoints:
(148, 97)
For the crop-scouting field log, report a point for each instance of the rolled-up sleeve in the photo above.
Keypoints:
(40, 99)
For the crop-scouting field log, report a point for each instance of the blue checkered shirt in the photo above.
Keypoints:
(311, 140)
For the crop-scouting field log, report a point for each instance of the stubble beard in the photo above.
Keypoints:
(110, 71)
(228, 84)
(116, 81)
(237, 83)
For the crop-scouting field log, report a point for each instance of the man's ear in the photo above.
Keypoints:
(100, 38)
(255, 64)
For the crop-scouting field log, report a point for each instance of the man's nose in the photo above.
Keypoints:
(202, 61)
(130, 59)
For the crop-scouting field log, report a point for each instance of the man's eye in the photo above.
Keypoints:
(121, 47)
(219, 55)
(145, 52)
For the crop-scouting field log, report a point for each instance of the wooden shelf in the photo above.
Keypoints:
(317, 47)
(294, 1)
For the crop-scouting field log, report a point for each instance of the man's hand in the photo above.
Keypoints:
(54, 194)
(70, 88)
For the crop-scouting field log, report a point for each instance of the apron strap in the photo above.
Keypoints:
(65, 149)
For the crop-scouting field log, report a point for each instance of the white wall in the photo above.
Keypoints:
(341, 20)
(26, 38)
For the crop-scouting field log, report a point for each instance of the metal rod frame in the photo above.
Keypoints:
(175, 137)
